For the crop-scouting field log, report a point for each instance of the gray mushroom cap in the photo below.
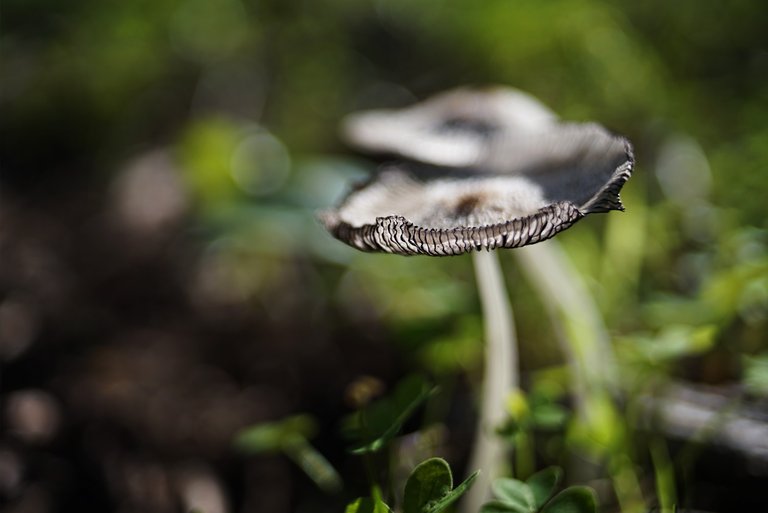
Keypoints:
(494, 169)
(455, 128)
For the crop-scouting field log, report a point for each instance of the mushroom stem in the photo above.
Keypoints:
(580, 328)
(490, 453)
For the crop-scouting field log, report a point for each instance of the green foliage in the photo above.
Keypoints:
(371, 428)
(756, 374)
(673, 342)
(515, 494)
(205, 151)
(535, 411)
(290, 436)
(367, 505)
(459, 351)
(276, 436)
(576, 499)
(429, 489)
(544, 483)
(247, 96)
(537, 494)
(429, 481)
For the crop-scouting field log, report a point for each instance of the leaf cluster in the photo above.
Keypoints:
(429, 489)
(537, 495)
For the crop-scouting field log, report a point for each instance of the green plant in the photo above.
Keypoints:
(537, 495)
(291, 437)
(371, 428)
(429, 489)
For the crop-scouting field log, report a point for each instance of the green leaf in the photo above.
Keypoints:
(360, 505)
(367, 505)
(290, 436)
(275, 436)
(543, 484)
(429, 488)
(576, 499)
(514, 493)
(453, 495)
(380, 421)
(756, 374)
(430, 481)
(501, 507)
(379, 506)
(674, 341)
(549, 416)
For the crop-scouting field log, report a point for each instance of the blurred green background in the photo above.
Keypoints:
(164, 283)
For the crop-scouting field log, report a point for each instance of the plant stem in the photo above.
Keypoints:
(314, 465)
(489, 452)
(664, 471)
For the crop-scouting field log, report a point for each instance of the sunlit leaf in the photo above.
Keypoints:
(517, 404)
(290, 436)
(275, 436)
(677, 341)
(367, 505)
(756, 374)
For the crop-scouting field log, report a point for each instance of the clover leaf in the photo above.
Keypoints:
(429, 488)
(535, 495)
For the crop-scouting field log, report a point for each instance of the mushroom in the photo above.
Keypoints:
(488, 176)
(484, 169)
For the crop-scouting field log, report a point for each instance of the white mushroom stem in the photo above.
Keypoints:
(586, 345)
(581, 331)
(490, 453)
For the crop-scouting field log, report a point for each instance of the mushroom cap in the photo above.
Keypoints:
(494, 169)
(450, 129)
